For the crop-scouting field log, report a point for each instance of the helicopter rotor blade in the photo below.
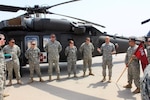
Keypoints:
(11, 8)
(61, 3)
(77, 19)
(145, 21)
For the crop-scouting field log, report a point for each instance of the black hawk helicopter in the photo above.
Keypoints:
(26, 28)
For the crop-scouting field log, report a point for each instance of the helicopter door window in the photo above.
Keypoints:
(28, 39)
(46, 38)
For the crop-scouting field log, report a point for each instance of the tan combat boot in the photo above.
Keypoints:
(10, 83)
(83, 74)
(50, 78)
(109, 81)
(128, 86)
(19, 82)
(30, 81)
(75, 76)
(90, 73)
(41, 80)
(104, 79)
(58, 77)
(137, 90)
(5, 95)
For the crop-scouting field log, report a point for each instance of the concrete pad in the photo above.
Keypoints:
(81, 88)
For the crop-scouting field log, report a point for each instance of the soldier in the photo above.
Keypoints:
(33, 54)
(133, 66)
(86, 49)
(148, 50)
(71, 53)
(15, 52)
(145, 84)
(107, 49)
(2, 66)
(53, 48)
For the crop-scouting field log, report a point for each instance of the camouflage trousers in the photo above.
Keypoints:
(56, 64)
(134, 74)
(13, 65)
(87, 62)
(36, 67)
(1, 86)
(71, 64)
(109, 64)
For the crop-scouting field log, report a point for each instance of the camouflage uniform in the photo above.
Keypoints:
(2, 67)
(145, 84)
(33, 54)
(53, 49)
(14, 63)
(148, 53)
(133, 67)
(86, 50)
(106, 50)
(71, 54)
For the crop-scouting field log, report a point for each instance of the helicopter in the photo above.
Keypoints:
(26, 28)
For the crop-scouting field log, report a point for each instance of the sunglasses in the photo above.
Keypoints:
(33, 44)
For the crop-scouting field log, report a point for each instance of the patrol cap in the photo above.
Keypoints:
(132, 38)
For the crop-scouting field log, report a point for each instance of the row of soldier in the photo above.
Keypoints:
(53, 48)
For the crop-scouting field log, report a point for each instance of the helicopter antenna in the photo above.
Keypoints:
(77, 19)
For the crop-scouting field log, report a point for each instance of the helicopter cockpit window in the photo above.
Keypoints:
(46, 38)
(28, 39)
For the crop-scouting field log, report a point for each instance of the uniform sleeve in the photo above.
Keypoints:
(27, 54)
(59, 47)
(18, 51)
(39, 52)
(92, 47)
(66, 51)
(114, 50)
(81, 48)
(126, 58)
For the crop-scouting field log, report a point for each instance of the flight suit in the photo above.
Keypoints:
(14, 63)
(2, 67)
(133, 67)
(86, 51)
(106, 50)
(71, 54)
(53, 49)
(33, 54)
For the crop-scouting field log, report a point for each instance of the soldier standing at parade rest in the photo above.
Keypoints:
(2, 66)
(86, 50)
(71, 53)
(133, 66)
(107, 49)
(14, 51)
(148, 50)
(53, 48)
(33, 55)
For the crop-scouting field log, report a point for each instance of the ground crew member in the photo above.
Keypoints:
(148, 50)
(15, 52)
(2, 66)
(133, 67)
(53, 48)
(107, 49)
(71, 53)
(33, 55)
(86, 50)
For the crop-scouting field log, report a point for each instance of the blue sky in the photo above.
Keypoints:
(122, 17)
